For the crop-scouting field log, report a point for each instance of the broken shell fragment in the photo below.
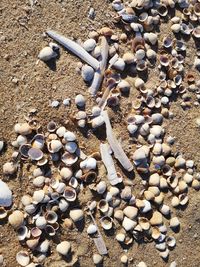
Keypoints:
(5, 195)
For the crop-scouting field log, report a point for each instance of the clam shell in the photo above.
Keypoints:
(5, 195)
(89, 45)
(47, 53)
(22, 233)
(16, 219)
(128, 224)
(144, 223)
(103, 206)
(38, 141)
(44, 246)
(156, 219)
(3, 213)
(63, 248)
(87, 73)
(63, 205)
(23, 258)
(70, 194)
(101, 187)
(130, 212)
(69, 159)
(51, 217)
(97, 259)
(38, 196)
(41, 222)
(174, 222)
(9, 168)
(22, 128)
(106, 222)
(49, 229)
(80, 101)
(171, 241)
(51, 126)
(35, 153)
(92, 229)
(54, 146)
(76, 215)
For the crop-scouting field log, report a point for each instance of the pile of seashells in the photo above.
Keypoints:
(62, 170)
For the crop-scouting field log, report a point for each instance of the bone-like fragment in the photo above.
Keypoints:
(98, 76)
(109, 164)
(75, 48)
(115, 146)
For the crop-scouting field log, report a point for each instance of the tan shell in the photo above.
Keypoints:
(16, 219)
(156, 219)
(130, 212)
(63, 248)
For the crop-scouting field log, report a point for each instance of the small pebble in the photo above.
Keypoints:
(55, 104)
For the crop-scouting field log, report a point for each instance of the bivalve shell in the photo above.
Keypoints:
(5, 195)
(92, 229)
(63, 248)
(106, 222)
(128, 224)
(16, 219)
(76, 215)
(23, 258)
(156, 219)
(46, 54)
(130, 212)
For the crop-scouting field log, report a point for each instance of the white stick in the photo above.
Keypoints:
(115, 146)
(75, 48)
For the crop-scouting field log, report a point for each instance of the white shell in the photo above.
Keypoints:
(22, 128)
(5, 195)
(44, 246)
(69, 136)
(54, 146)
(76, 215)
(9, 168)
(97, 259)
(130, 212)
(87, 73)
(97, 122)
(89, 45)
(38, 196)
(119, 64)
(63, 205)
(21, 140)
(71, 147)
(128, 224)
(61, 131)
(89, 164)
(23, 258)
(41, 222)
(46, 54)
(101, 187)
(80, 100)
(120, 237)
(96, 111)
(141, 264)
(63, 248)
(39, 181)
(174, 222)
(22, 233)
(92, 229)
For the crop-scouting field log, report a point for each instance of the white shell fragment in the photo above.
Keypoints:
(47, 53)
(5, 195)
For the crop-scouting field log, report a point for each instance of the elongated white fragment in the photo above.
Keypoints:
(109, 164)
(115, 146)
(75, 48)
(98, 76)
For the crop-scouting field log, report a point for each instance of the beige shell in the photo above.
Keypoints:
(156, 219)
(16, 219)
(144, 223)
(128, 57)
(9, 168)
(63, 248)
(155, 233)
(119, 215)
(174, 222)
(154, 179)
(76, 215)
(130, 212)
(22, 128)
(23, 258)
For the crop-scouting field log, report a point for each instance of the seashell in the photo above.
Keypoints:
(69, 159)
(155, 233)
(41, 222)
(188, 178)
(3, 213)
(30, 209)
(196, 32)
(47, 53)
(69, 136)
(92, 229)
(80, 101)
(32, 243)
(150, 102)
(36, 232)
(128, 58)
(176, 27)
(51, 217)
(38, 181)
(54, 146)
(156, 130)
(5, 195)
(96, 111)
(183, 199)
(119, 64)
(106, 222)
(16, 219)
(89, 45)
(21, 140)
(124, 259)
(89, 164)
(162, 10)
(171, 241)
(101, 187)
(185, 28)
(157, 149)
(9, 168)
(154, 179)
(103, 206)
(132, 128)
(124, 86)
(173, 264)
(196, 9)
(140, 54)
(38, 196)
(144, 223)
(70, 194)
(98, 121)
(22, 233)
(119, 215)
(141, 65)
(128, 224)
(156, 219)
(87, 73)
(49, 229)
(63, 205)
(175, 201)
(38, 141)
(51, 126)
(161, 246)
(167, 42)
(43, 247)
(66, 173)
(148, 195)
(139, 156)
(151, 54)
(97, 52)
(23, 258)
(76, 215)
(152, 38)
(22, 128)
(97, 259)
(174, 222)
(165, 210)
(61, 131)
(196, 184)
(139, 83)
(130, 212)
(63, 248)
(120, 237)
(71, 147)
(2, 144)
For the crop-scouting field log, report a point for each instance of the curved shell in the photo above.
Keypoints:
(69, 159)
(70, 194)
(5, 195)
(23, 258)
